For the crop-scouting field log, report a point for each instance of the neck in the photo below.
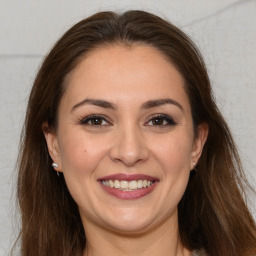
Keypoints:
(160, 240)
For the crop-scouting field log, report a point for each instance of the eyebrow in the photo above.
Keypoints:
(159, 102)
(147, 105)
(95, 102)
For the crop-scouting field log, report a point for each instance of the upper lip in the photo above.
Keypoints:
(128, 177)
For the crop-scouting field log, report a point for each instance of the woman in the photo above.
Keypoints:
(124, 151)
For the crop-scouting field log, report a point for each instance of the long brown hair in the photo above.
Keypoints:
(212, 213)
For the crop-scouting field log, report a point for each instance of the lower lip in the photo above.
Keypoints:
(129, 195)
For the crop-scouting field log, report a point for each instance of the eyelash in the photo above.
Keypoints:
(165, 120)
(90, 118)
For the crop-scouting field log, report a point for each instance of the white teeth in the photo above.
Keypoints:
(124, 184)
(127, 185)
(116, 184)
(133, 184)
(139, 183)
(111, 183)
(144, 183)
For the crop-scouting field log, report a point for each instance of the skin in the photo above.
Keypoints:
(129, 139)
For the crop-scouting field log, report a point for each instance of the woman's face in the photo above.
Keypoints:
(125, 140)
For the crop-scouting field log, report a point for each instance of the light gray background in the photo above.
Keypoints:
(224, 30)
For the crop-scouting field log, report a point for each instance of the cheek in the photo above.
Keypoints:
(174, 156)
(81, 154)
(80, 157)
(175, 161)
(174, 153)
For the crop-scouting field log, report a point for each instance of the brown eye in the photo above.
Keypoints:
(157, 121)
(94, 121)
(161, 120)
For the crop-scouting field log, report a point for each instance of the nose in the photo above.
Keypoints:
(129, 147)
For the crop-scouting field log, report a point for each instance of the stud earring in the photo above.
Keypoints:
(55, 165)
(194, 167)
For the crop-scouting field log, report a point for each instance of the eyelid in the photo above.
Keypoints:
(86, 119)
(169, 119)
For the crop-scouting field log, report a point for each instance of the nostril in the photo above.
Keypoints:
(129, 150)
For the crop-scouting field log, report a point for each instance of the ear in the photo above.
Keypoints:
(52, 144)
(199, 141)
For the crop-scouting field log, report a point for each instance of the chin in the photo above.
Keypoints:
(131, 227)
(131, 222)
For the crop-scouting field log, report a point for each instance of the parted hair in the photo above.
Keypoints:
(213, 213)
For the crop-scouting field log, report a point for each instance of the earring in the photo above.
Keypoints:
(194, 167)
(55, 165)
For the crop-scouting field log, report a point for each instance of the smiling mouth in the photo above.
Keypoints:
(125, 185)
(128, 187)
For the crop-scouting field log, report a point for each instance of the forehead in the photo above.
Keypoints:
(120, 72)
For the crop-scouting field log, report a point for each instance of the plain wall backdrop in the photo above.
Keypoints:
(224, 30)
